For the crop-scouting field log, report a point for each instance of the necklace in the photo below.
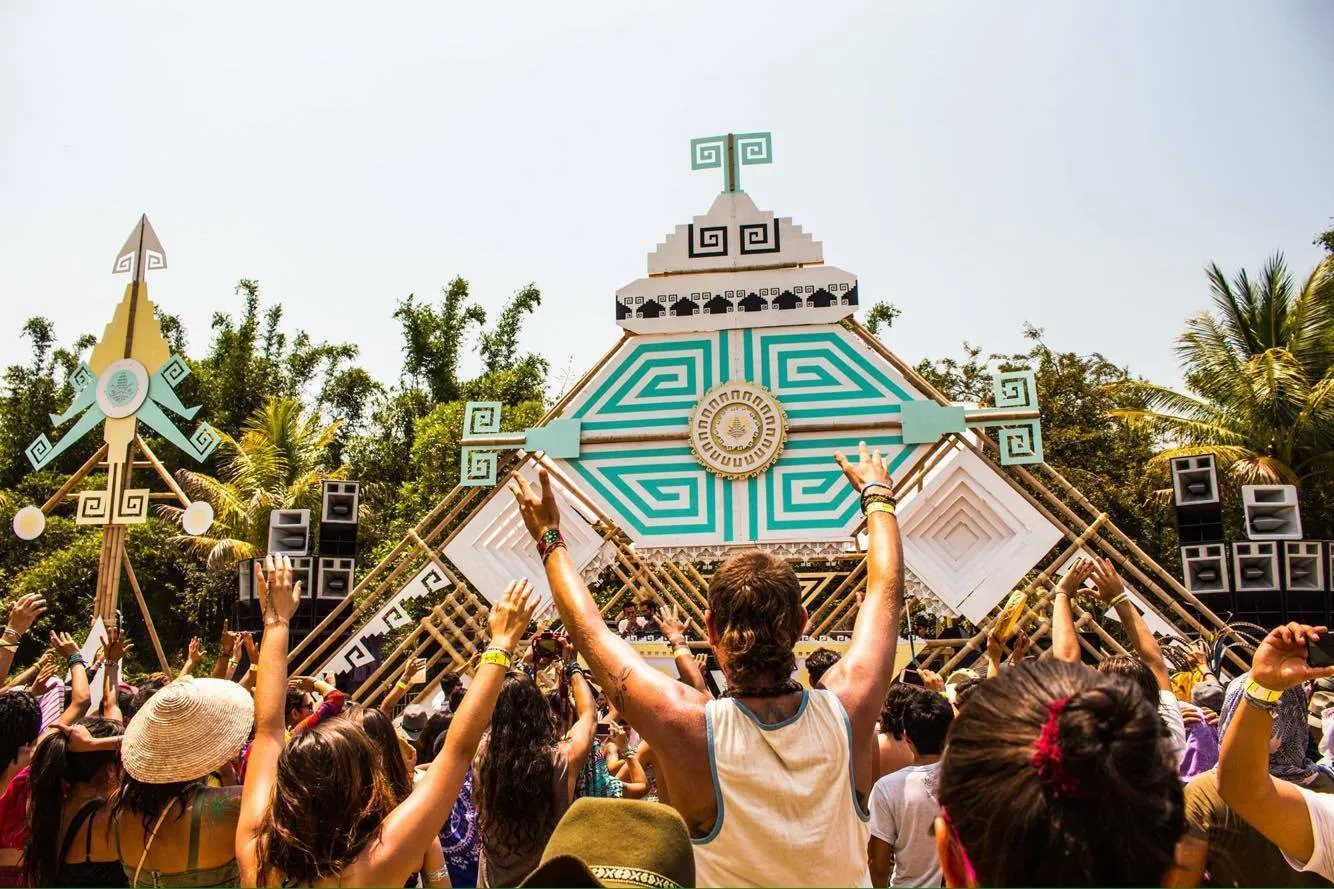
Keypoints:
(768, 691)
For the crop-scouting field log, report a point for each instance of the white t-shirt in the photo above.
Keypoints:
(1321, 808)
(903, 812)
(1170, 710)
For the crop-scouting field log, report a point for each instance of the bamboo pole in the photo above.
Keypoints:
(162, 471)
(143, 608)
(79, 475)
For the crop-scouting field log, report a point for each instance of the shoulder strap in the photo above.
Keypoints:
(148, 841)
(84, 814)
(196, 815)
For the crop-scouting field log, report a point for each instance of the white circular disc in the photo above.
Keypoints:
(121, 388)
(29, 523)
(197, 518)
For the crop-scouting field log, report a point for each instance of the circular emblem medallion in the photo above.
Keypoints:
(122, 388)
(738, 430)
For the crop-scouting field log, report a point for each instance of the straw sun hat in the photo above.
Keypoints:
(188, 730)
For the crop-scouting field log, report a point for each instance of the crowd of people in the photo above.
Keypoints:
(565, 759)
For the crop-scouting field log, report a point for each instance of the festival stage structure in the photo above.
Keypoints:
(130, 377)
(710, 426)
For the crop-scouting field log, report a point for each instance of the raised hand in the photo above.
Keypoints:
(995, 647)
(1075, 577)
(702, 661)
(27, 609)
(510, 616)
(228, 638)
(1199, 655)
(1280, 660)
(538, 508)
(63, 644)
(931, 680)
(1106, 582)
(46, 671)
(412, 668)
(670, 624)
(1022, 642)
(195, 653)
(302, 683)
(278, 596)
(868, 470)
(115, 644)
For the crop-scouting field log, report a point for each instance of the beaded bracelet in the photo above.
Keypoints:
(547, 543)
(75, 658)
(887, 487)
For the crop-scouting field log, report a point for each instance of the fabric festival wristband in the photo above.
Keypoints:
(1257, 692)
(498, 656)
(880, 507)
(76, 658)
(682, 651)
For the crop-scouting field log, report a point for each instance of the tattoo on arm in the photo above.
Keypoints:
(616, 693)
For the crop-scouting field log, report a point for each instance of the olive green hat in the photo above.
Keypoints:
(617, 842)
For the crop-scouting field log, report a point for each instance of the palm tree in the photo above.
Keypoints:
(277, 463)
(1259, 379)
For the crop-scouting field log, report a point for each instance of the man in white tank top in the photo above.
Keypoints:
(773, 779)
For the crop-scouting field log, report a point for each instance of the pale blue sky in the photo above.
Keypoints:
(1072, 165)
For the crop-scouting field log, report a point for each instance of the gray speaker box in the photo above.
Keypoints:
(1194, 480)
(1204, 568)
(289, 532)
(1271, 512)
(336, 577)
(1304, 565)
(1255, 566)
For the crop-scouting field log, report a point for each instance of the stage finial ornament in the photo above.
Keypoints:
(130, 377)
(729, 153)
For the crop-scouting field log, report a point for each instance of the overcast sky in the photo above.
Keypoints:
(981, 165)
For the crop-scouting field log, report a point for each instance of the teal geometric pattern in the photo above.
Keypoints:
(662, 496)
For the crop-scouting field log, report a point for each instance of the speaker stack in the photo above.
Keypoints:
(247, 615)
(340, 507)
(1199, 509)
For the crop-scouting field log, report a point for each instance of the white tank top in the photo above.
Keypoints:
(787, 809)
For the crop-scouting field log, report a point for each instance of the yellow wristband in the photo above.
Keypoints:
(498, 657)
(683, 651)
(401, 684)
(878, 506)
(1260, 693)
(1118, 599)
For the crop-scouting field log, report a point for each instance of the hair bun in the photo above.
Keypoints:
(1109, 735)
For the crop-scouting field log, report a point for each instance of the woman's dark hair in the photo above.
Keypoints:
(146, 691)
(456, 697)
(20, 721)
(1101, 803)
(54, 770)
(561, 709)
(296, 699)
(1135, 670)
(125, 701)
(146, 801)
(329, 798)
(755, 608)
(965, 689)
(436, 726)
(380, 729)
(515, 776)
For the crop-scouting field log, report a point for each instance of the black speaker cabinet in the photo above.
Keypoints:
(339, 515)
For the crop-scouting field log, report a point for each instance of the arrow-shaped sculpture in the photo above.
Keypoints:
(131, 376)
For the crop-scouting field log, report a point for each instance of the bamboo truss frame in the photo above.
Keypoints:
(451, 633)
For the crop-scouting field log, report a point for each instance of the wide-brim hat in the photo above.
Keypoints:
(187, 731)
(617, 842)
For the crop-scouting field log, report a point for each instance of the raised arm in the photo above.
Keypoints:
(409, 829)
(1064, 639)
(674, 630)
(114, 646)
(410, 669)
(663, 710)
(1272, 806)
(1107, 584)
(861, 678)
(226, 643)
(80, 692)
(585, 723)
(278, 599)
(27, 609)
(194, 656)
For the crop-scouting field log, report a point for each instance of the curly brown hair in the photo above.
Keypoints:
(755, 608)
(329, 800)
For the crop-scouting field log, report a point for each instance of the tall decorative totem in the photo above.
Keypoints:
(130, 377)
